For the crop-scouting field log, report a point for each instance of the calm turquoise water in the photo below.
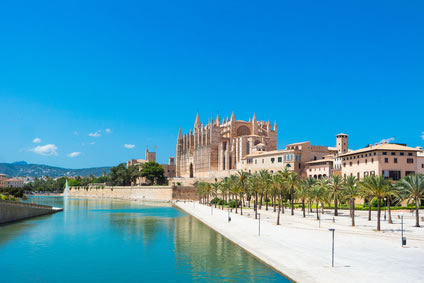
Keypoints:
(118, 241)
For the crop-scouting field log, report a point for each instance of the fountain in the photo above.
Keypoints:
(66, 192)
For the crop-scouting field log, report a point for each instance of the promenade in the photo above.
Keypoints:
(301, 248)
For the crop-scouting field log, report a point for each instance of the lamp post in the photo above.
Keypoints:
(385, 207)
(332, 246)
(259, 227)
(401, 229)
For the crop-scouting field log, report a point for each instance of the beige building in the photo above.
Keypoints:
(393, 161)
(3, 178)
(218, 148)
(321, 168)
(14, 183)
(169, 169)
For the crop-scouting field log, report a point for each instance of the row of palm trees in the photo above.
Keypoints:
(285, 188)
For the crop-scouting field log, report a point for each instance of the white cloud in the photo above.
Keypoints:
(387, 140)
(129, 146)
(36, 140)
(96, 134)
(48, 149)
(422, 135)
(108, 131)
(74, 154)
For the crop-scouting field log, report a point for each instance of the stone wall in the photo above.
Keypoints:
(148, 193)
(14, 211)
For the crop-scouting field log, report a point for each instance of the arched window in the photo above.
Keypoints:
(243, 131)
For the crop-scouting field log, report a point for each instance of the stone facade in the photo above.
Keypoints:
(217, 148)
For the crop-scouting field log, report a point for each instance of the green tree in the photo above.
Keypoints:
(351, 192)
(153, 172)
(412, 188)
(336, 186)
(378, 187)
(119, 175)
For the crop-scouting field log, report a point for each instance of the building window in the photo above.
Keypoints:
(384, 153)
(409, 160)
(280, 159)
(344, 164)
(256, 161)
(366, 174)
(350, 163)
(409, 173)
(372, 160)
(366, 161)
(272, 160)
(262, 161)
(393, 153)
(358, 162)
(375, 153)
(372, 173)
(422, 165)
(401, 153)
(395, 160)
(386, 160)
(409, 153)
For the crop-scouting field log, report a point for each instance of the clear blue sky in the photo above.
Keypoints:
(144, 68)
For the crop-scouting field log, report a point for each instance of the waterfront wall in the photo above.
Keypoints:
(148, 193)
(14, 211)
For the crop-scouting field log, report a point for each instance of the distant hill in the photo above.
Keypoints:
(22, 168)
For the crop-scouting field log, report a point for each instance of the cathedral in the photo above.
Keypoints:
(217, 148)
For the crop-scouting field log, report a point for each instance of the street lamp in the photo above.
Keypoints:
(401, 229)
(332, 247)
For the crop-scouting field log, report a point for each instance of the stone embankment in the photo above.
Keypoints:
(302, 251)
(13, 211)
(148, 193)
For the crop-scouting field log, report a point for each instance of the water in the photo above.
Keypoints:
(118, 241)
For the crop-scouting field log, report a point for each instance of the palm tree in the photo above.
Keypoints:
(265, 178)
(302, 193)
(391, 192)
(255, 185)
(317, 194)
(292, 182)
(377, 186)
(235, 188)
(412, 188)
(276, 188)
(351, 192)
(309, 183)
(336, 186)
(223, 190)
(214, 189)
(243, 182)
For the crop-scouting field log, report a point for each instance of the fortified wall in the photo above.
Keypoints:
(148, 193)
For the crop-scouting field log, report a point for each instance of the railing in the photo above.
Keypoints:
(26, 204)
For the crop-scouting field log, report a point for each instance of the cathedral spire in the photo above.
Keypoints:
(275, 126)
(180, 134)
(233, 117)
(218, 121)
(254, 117)
(197, 122)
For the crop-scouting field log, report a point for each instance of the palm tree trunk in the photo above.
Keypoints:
(266, 201)
(256, 205)
(278, 214)
(241, 207)
(317, 211)
(336, 212)
(274, 202)
(389, 211)
(369, 210)
(353, 212)
(303, 208)
(310, 207)
(322, 208)
(378, 214)
(260, 202)
(417, 217)
(236, 204)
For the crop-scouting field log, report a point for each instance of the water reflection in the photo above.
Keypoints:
(111, 240)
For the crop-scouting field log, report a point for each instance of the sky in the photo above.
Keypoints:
(92, 83)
